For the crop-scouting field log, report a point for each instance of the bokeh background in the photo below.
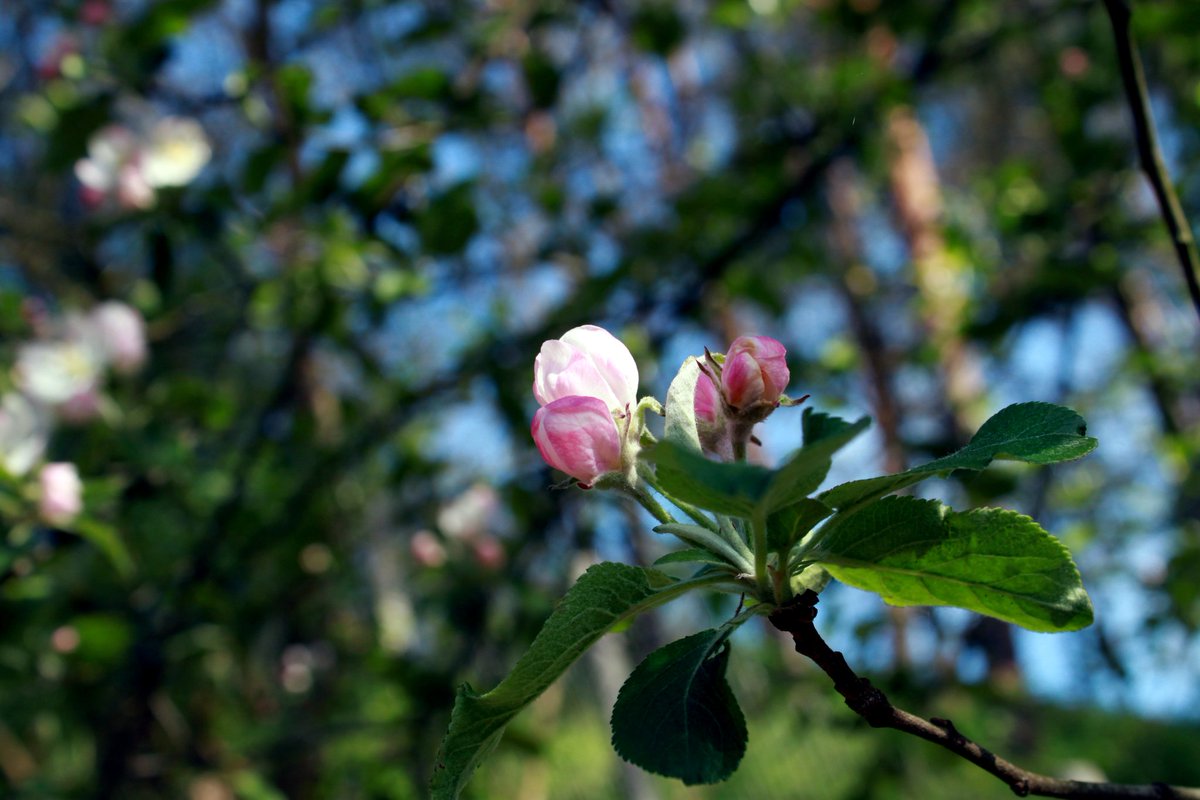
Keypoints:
(311, 507)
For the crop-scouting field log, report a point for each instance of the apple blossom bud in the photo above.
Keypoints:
(122, 335)
(587, 361)
(61, 490)
(578, 436)
(755, 372)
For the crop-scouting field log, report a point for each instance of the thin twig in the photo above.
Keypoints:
(796, 618)
(1149, 153)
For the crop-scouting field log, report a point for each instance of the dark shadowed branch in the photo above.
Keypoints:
(1149, 153)
(796, 618)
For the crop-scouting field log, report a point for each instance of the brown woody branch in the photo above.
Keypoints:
(1149, 153)
(796, 617)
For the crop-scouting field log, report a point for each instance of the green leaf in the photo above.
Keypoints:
(603, 597)
(680, 425)
(717, 486)
(824, 435)
(817, 425)
(788, 525)
(920, 552)
(689, 555)
(106, 538)
(812, 577)
(1038, 433)
(676, 715)
(714, 543)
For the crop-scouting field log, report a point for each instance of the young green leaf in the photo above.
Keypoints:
(727, 488)
(824, 435)
(676, 715)
(788, 525)
(990, 560)
(604, 596)
(1039, 433)
(690, 555)
(715, 543)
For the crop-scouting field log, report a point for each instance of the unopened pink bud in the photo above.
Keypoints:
(755, 371)
(707, 403)
(587, 361)
(61, 490)
(578, 436)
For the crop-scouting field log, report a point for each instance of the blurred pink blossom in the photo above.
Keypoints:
(122, 335)
(61, 493)
(489, 553)
(427, 549)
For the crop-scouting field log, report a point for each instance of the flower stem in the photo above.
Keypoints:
(758, 533)
(696, 514)
(639, 492)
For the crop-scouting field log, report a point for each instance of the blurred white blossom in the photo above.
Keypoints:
(175, 152)
(129, 167)
(54, 372)
(24, 432)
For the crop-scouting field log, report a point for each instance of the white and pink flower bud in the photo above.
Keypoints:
(578, 436)
(587, 361)
(60, 493)
(755, 372)
(122, 335)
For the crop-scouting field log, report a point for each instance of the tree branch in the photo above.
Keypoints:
(796, 617)
(1149, 153)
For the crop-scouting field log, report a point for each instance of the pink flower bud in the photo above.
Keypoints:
(587, 361)
(61, 497)
(755, 371)
(707, 403)
(122, 335)
(578, 436)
